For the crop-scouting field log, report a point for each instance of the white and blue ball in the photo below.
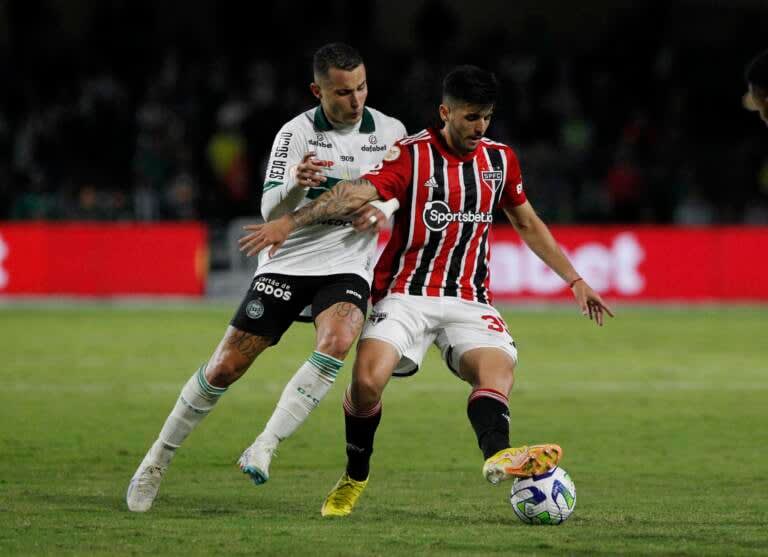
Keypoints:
(546, 499)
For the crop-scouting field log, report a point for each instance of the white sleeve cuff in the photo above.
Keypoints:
(387, 207)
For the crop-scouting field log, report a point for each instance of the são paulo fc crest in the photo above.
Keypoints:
(492, 178)
(254, 309)
(377, 317)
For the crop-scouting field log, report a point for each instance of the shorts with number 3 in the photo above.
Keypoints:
(412, 323)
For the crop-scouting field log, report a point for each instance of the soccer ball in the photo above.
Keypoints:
(546, 499)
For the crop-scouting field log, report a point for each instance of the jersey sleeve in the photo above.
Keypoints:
(513, 193)
(392, 175)
(281, 194)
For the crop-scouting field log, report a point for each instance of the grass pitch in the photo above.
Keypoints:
(662, 416)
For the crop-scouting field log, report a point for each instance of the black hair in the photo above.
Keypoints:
(471, 85)
(335, 55)
(757, 70)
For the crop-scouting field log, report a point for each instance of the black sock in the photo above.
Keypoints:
(361, 429)
(360, 433)
(488, 412)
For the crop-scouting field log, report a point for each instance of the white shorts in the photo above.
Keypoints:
(412, 323)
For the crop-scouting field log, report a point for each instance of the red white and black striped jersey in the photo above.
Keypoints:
(439, 244)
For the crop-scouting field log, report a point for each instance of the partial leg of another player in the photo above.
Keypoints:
(337, 328)
(490, 371)
(231, 359)
(375, 362)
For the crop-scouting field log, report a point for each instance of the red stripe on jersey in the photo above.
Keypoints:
(418, 231)
(469, 264)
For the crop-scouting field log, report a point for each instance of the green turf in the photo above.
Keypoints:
(662, 415)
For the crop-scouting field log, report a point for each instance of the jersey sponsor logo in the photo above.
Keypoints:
(519, 188)
(320, 141)
(492, 178)
(254, 309)
(393, 154)
(335, 222)
(279, 157)
(437, 216)
(373, 148)
(373, 140)
(431, 182)
(271, 287)
(355, 294)
(377, 317)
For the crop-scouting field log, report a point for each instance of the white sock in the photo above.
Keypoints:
(301, 395)
(197, 398)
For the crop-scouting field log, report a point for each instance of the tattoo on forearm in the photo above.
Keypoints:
(336, 202)
(248, 345)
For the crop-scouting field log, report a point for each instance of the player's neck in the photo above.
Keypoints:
(451, 146)
(339, 125)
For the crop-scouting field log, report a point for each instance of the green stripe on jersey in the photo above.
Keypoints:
(271, 184)
(316, 191)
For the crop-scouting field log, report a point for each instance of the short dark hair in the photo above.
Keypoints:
(471, 85)
(757, 70)
(335, 55)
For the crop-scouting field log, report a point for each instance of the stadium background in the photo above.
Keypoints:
(622, 112)
(132, 142)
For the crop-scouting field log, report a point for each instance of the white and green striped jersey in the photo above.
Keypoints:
(333, 246)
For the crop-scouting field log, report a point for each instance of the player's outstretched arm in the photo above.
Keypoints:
(342, 200)
(537, 236)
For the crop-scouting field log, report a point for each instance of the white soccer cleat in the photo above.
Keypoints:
(255, 459)
(144, 485)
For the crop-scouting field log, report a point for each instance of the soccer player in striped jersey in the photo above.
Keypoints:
(431, 284)
(327, 266)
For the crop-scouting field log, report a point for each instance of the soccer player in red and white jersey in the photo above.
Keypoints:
(431, 283)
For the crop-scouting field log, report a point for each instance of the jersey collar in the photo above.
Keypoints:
(446, 151)
(367, 125)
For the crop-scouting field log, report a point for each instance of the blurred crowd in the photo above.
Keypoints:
(630, 130)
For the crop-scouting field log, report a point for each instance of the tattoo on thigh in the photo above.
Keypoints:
(248, 345)
(351, 314)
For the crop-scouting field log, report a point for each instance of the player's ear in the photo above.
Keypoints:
(445, 111)
(315, 88)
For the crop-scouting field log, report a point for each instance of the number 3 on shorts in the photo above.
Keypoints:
(495, 323)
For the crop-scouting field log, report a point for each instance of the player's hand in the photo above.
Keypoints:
(590, 302)
(369, 219)
(309, 172)
(271, 233)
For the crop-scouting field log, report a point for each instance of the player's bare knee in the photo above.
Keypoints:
(365, 391)
(335, 344)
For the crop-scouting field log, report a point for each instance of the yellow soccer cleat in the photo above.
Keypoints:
(521, 462)
(343, 496)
